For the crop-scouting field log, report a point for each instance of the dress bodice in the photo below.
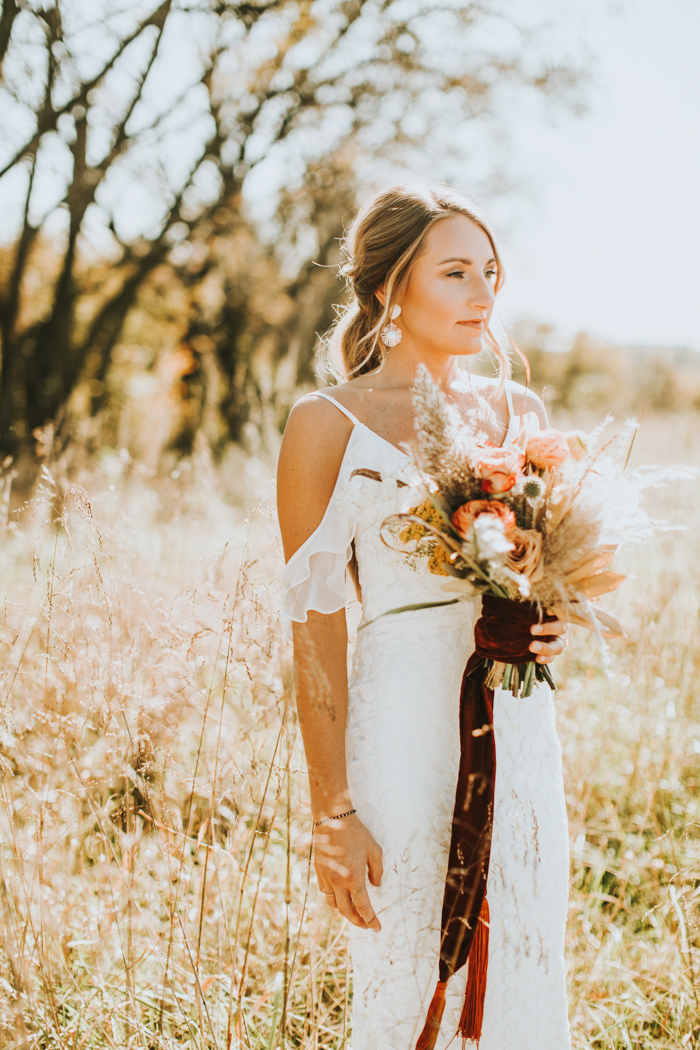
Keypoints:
(376, 479)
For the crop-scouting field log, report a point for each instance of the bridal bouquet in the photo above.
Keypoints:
(536, 521)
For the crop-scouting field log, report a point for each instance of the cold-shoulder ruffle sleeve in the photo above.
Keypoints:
(314, 577)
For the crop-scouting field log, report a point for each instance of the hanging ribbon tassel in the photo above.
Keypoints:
(472, 1018)
(502, 639)
(428, 1036)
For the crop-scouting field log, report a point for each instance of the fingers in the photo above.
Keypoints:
(558, 627)
(352, 901)
(547, 650)
(554, 645)
(326, 889)
(324, 883)
(347, 909)
(363, 906)
(354, 905)
(375, 866)
(342, 861)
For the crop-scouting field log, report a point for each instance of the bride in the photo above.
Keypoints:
(382, 745)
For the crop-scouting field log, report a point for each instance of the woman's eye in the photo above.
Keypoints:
(492, 273)
(456, 273)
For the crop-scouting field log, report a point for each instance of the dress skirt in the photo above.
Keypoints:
(403, 755)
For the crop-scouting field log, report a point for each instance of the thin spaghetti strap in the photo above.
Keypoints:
(509, 399)
(343, 409)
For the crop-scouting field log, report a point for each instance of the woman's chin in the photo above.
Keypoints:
(459, 347)
(464, 351)
(470, 347)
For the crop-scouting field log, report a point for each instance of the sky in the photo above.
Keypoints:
(607, 233)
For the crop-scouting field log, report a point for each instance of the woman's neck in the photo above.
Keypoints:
(402, 362)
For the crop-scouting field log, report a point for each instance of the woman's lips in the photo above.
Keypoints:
(472, 324)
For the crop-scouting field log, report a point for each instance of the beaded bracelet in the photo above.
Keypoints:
(327, 820)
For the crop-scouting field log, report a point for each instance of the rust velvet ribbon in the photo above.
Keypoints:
(502, 633)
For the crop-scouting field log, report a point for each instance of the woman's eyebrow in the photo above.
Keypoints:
(467, 262)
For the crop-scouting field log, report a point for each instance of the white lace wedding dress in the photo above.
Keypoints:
(403, 753)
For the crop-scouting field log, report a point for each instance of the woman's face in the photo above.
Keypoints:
(448, 301)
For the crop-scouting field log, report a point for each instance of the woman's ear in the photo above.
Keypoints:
(381, 295)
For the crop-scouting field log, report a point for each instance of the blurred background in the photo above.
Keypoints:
(175, 178)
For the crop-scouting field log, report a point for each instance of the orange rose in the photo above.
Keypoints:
(526, 555)
(548, 448)
(464, 517)
(498, 468)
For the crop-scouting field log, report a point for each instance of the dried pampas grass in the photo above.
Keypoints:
(442, 441)
(563, 550)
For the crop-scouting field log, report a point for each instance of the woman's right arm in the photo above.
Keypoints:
(344, 851)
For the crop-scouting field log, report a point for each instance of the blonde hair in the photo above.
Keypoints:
(380, 248)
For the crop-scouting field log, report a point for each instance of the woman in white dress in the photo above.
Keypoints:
(383, 747)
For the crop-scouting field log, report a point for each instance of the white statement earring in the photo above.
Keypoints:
(391, 334)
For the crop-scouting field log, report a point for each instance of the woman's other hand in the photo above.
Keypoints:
(344, 854)
(546, 651)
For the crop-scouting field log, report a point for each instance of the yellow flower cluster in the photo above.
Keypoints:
(436, 563)
(414, 531)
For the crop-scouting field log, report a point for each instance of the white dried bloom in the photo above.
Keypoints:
(490, 543)
(531, 486)
(513, 583)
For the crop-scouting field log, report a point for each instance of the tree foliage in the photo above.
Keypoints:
(217, 148)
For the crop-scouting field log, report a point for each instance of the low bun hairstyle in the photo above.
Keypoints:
(381, 245)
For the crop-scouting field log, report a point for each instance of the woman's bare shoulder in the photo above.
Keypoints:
(313, 446)
(524, 399)
(314, 421)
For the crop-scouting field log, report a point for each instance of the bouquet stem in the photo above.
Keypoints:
(495, 674)
(518, 679)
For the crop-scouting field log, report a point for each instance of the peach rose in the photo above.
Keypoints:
(548, 448)
(526, 555)
(464, 517)
(498, 468)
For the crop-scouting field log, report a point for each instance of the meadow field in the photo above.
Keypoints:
(156, 888)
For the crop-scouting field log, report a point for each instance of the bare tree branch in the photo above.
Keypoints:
(83, 187)
(10, 10)
(47, 119)
(12, 300)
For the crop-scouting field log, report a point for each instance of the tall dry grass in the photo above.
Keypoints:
(155, 883)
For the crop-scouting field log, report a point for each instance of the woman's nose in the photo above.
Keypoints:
(481, 295)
